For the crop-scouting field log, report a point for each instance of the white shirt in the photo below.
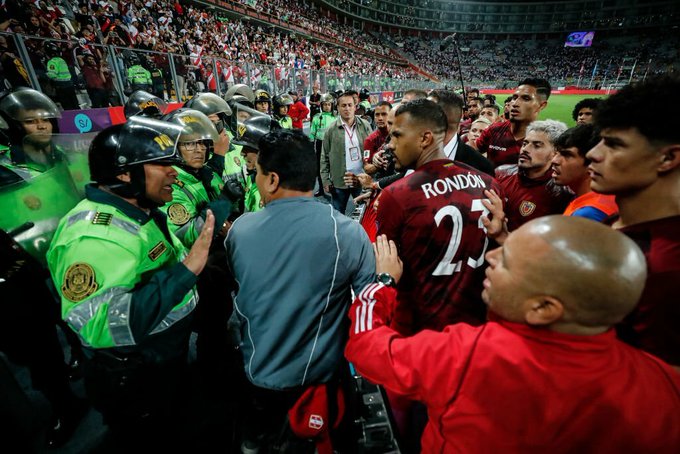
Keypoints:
(451, 148)
(352, 141)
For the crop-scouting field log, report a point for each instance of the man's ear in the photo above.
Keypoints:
(671, 158)
(124, 177)
(271, 182)
(543, 105)
(544, 310)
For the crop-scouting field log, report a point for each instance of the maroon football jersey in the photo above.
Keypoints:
(373, 143)
(499, 144)
(527, 199)
(654, 325)
(434, 217)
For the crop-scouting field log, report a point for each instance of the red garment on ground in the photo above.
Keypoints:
(499, 144)
(433, 216)
(509, 388)
(654, 325)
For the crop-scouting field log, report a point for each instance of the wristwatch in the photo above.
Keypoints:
(385, 279)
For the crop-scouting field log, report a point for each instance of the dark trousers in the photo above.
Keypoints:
(340, 197)
(317, 149)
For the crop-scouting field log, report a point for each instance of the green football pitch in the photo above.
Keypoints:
(559, 106)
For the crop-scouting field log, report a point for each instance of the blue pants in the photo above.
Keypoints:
(340, 197)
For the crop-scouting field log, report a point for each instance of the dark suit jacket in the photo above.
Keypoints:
(468, 155)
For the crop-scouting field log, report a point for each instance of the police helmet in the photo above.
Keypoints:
(256, 126)
(196, 126)
(211, 104)
(144, 104)
(327, 97)
(24, 104)
(282, 100)
(240, 89)
(52, 49)
(262, 96)
(240, 99)
(364, 94)
(126, 147)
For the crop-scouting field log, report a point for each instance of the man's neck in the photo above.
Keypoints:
(283, 193)
(349, 122)
(519, 128)
(430, 154)
(132, 202)
(661, 200)
(535, 174)
(582, 187)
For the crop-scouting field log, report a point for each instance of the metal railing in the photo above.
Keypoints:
(105, 75)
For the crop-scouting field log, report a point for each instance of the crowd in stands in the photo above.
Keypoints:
(492, 60)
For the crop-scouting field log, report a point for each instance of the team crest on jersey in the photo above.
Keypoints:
(526, 208)
(177, 214)
(79, 282)
(32, 202)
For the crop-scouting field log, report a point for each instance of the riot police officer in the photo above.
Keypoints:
(138, 76)
(317, 129)
(281, 105)
(127, 285)
(144, 103)
(263, 101)
(61, 78)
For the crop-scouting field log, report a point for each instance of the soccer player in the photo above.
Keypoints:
(584, 110)
(638, 161)
(528, 186)
(434, 216)
(502, 142)
(570, 168)
(546, 372)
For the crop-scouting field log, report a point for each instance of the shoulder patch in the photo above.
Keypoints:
(79, 282)
(102, 218)
(32, 202)
(526, 208)
(177, 214)
(179, 183)
(157, 251)
(237, 161)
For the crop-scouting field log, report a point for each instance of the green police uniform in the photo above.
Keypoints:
(286, 122)
(119, 274)
(234, 167)
(366, 105)
(57, 70)
(190, 197)
(139, 77)
(320, 123)
(253, 201)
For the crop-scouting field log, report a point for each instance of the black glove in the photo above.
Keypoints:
(233, 190)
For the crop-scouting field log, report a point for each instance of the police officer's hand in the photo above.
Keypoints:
(222, 145)
(198, 255)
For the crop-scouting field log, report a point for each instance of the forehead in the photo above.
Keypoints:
(569, 151)
(383, 110)
(537, 136)
(585, 110)
(526, 90)
(346, 100)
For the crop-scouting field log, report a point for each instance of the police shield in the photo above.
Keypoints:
(74, 148)
(34, 205)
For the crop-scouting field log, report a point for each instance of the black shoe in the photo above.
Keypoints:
(64, 425)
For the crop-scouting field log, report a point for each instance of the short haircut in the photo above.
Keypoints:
(473, 90)
(507, 100)
(631, 107)
(484, 120)
(490, 97)
(426, 112)
(479, 101)
(417, 93)
(542, 86)
(588, 103)
(350, 93)
(384, 103)
(447, 99)
(346, 94)
(582, 137)
(494, 107)
(552, 128)
(290, 154)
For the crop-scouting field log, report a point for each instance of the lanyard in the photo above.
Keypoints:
(351, 136)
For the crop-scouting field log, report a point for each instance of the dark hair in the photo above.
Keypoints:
(542, 86)
(478, 99)
(473, 90)
(632, 107)
(494, 107)
(507, 100)
(290, 154)
(447, 99)
(347, 93)
(588, 103)
(427, 112)
(491, 98)
(582, 137)
(384, 103)
(416, 92)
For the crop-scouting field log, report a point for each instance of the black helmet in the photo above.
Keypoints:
(126, 147)
(196, 126)
(52, 49)
(24, 104)
(211, 104)
(262, 96)
(250, 131)
(282, 100)
(133, 59)
(364, 93)
(145, 104)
